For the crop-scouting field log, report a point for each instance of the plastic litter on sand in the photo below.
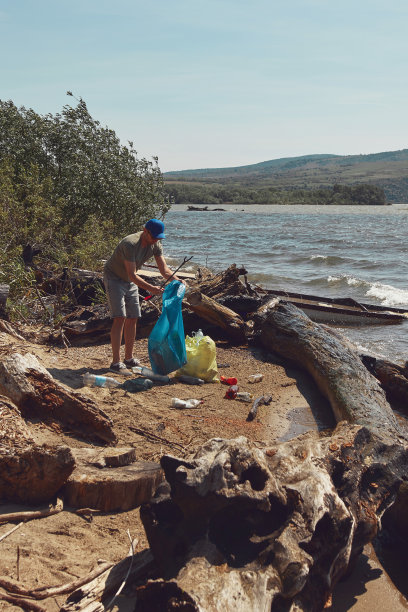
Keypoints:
(92, 380)
(190, 403)
(254, 378)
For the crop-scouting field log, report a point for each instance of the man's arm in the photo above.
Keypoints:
(138, 280)
(164, 269)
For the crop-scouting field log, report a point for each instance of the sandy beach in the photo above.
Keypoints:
(57, 549)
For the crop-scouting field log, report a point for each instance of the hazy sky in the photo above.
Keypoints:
(213, 83)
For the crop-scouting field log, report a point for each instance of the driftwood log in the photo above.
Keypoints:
(24, 380)
(29, 473)
(332, 361)
(216, 314)
(93, 324)
(221, 284)
(239, 529)
(393, 378)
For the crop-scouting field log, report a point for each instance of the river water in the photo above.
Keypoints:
(337, 251)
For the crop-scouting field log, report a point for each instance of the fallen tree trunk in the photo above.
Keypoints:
(218, 315)
(333, 362)
(24, 380)
(243, 530)
(29, 473)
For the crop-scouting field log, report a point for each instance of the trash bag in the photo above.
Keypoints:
(201, 358)
(166, 345)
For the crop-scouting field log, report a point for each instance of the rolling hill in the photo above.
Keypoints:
(388, 170)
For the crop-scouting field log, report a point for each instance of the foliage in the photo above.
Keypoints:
(214, 193)
(70, 187)
(91, 172)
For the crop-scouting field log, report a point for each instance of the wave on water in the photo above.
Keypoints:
(389, 296)
(386, 294)
(327, 259)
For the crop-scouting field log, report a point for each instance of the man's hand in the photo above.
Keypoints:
(153, 290)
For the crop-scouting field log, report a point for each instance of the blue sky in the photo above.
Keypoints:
(214, 83)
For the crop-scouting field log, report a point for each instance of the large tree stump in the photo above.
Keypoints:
(224, 318)
(333, 362)
(24, 380)
(110, 482)
(29, 473)
(240, 529)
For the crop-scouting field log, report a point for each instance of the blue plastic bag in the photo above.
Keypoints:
(166, 345)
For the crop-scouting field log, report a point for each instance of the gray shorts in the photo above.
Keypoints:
(123, 298)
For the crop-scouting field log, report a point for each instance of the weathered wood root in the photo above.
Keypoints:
(238, 529)
(221, 284)
(92, 596)
(45, 592)
(29, 473)
(93, 324)
(24, 604)
(333, 362)
(37, 394)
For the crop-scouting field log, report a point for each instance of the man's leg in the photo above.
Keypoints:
(130, 336)
(116, 337)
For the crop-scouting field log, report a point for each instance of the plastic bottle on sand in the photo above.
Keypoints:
(92, 380)
(190, 403)
(151, 375)
(198, 336)
(254, 378)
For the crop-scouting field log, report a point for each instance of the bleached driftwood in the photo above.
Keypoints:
(24, 380)
(29, 515)
(9, 329)
(24, 604)
(242, 530)
(29, 473)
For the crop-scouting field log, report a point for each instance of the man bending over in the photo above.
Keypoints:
(122, 287)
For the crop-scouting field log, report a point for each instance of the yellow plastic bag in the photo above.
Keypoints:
(201, 358)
